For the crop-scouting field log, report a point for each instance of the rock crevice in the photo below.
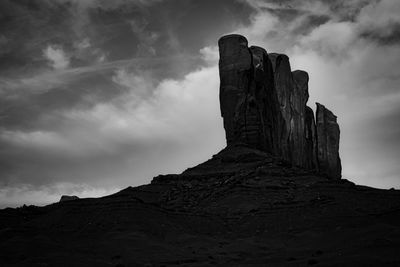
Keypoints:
(264, 105)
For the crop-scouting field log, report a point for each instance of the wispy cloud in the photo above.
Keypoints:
(46, 80)
(120, 138)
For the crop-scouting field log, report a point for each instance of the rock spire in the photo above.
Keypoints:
(263, 105)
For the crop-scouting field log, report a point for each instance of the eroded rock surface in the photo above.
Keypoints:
(328, 133)
(264, 105)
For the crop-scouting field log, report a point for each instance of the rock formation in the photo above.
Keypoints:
(311, 140)
(245, 206)
(263, 105)
(68, 198)
(247, 99)
(328, 133)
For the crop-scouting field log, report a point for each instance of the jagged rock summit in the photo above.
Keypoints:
(264, 105)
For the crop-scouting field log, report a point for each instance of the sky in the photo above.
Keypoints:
(98, 95)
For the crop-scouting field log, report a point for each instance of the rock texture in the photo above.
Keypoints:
(247, 101)
(311, 140)
(263, 105)
(328, 133)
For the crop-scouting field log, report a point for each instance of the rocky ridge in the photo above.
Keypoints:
(243, 207)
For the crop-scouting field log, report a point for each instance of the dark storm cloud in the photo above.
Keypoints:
(376, 20)
(205, 21)
(32, 111)
(386, 34)
(88, 31)
(63, 54)
(88, 91)
(38, 102)
(22, 23)
(129, 140)
(31, 26)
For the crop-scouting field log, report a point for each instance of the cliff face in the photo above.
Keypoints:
(328, 134)
(263, 105)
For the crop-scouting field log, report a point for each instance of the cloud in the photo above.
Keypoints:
(164, 114)
(146, 38)
(125, 141)
(83, 44)
(382, 28)
(44, 80)
(56, 56)
(324, 39)
(210, 54)
(104, 4)
(140, 83)
(351, 57)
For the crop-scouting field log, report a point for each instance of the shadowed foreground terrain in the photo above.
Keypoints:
(273, 197)
(242, 207)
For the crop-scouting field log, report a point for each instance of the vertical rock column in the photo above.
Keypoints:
(283, 86)
(292, 92)
(247, 97)
(263, 90)
(235, 66)
(311, 140)
(328, 134)
(299, 98)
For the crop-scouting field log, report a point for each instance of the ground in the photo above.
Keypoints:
(243, 207)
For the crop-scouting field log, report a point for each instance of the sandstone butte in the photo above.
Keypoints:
(273, 197)
(264, 105)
